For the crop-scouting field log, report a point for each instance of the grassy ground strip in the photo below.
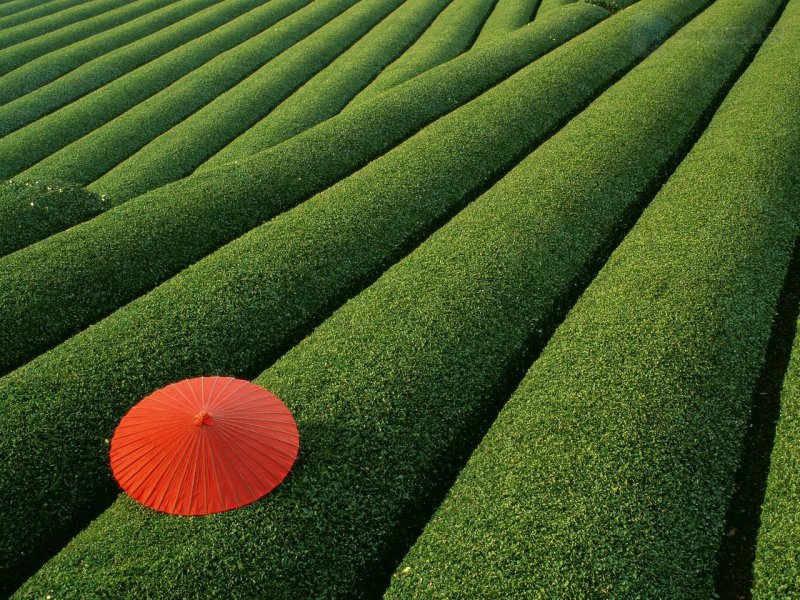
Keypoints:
(18, 54)
(328, 92)
(44, 69)
(608, 472)
(403, 371)
(282, 24)
(280, 280)
(31, 211)
(507, 16)
(112, 259)
(449, 35)
(777, 564)
(21, 11)
(56, 130)
(179, 151)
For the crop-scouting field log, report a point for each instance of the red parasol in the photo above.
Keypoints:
(204, 445)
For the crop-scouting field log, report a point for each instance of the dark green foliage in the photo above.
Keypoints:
(44, 69)
(448, 36)
(116, 257)
(242, 306)
(28, 41)
(151, 99)
(507, 16)
(179, 151)
(328, 92)
(33, 210)
(609, 471)
(389, 391)
(777, 563)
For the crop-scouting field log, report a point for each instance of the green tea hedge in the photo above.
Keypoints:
(777, 562)
(102, 51)
(449, 35)
(179, 151)
(507, 16)
(16, 12)
(243, 306)
(144, 103)
(44, 23)
(545, 6)
(390, 390)
(33, 210)
(609, 471)
(329, 91)
(223, 31)
(106, 262)
(28, 41)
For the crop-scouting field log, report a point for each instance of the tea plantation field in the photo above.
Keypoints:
(525, 272)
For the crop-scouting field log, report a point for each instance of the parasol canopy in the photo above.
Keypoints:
(204, 445)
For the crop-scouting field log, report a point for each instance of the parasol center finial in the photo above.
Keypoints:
(202, 418)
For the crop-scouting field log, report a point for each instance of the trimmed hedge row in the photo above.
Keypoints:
(507, 16)
(328, 92)
(33, 210)
(449, 35)
(21, 11)
(390, 390)
(115, 136)
(213, 88)
(548, 5)
(110, 260)
(71, 122)
(44, 24)
(269, 287)
(27, 47)
(179, 151)
(51, 66)
(609, 471)
(777, 562)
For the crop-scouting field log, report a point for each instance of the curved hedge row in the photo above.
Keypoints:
(391, 389)
(20, 11)
(106, 262)
(43, 24)
(269, 287)
(777, 562)
(449, 35)
(44, 69)
(121, 110)
(507, 16)
(548, 5)
(249, 17)
(610, 469)
(115, 12)
(236, 79)
(32, 210)
(179, 151)
(617, 5)
(328, 92)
